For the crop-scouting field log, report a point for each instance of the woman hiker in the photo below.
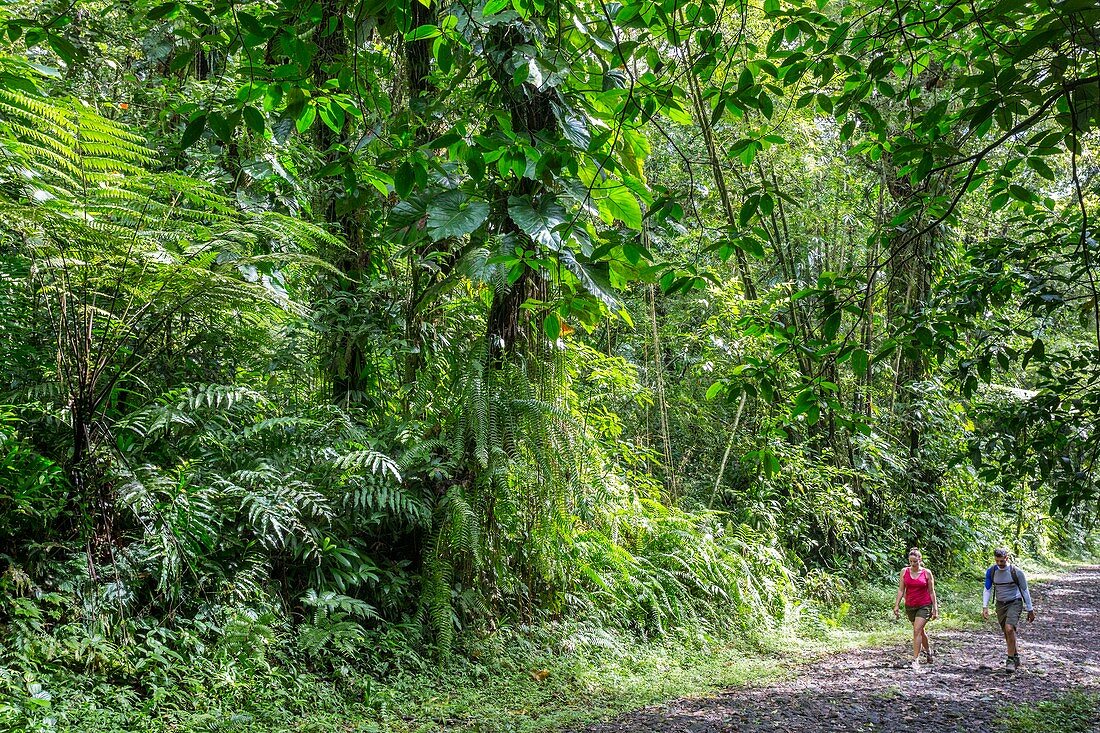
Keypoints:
(918, 587)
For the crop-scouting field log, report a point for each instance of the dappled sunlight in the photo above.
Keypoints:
(874, 689)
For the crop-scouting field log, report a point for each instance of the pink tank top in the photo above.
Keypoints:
(917, 593)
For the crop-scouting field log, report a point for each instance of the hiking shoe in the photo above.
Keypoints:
(928, 655)
(916, 665)
(1015, 662)
(1012, 663)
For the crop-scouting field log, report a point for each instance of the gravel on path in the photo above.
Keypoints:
(875, 690)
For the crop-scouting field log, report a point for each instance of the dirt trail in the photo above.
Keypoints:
(874, 690)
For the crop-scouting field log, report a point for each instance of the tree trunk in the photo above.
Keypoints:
(350, 361)
(908, 271)
(507, 325)
(418, 56)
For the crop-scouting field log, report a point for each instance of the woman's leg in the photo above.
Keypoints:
(919, 636)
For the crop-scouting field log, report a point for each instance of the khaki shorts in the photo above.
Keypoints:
(912, 612)
(1008, 612)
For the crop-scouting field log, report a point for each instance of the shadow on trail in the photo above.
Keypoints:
(873, 690)
(951, 700)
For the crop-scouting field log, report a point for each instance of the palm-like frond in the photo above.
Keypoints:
(119, 253)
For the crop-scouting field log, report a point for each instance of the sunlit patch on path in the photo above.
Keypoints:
(871, 690)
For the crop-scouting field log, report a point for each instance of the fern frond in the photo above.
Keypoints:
(365, 459)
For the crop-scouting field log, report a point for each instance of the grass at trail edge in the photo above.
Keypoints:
(520, 680)
(1074, 712)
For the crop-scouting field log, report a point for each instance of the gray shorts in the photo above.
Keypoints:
(1008, 612)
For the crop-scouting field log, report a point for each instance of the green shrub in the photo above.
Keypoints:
(1074, 712)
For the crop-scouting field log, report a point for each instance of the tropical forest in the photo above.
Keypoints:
(522, 365)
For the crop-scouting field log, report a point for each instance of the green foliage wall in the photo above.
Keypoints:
(357, 329)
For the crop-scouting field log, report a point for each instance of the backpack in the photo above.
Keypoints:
(1011, 569)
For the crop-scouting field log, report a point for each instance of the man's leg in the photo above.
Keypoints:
(1010, 639)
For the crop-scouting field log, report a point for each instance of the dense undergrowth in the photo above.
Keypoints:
(258, 676)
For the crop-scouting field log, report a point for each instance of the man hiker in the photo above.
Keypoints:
(1009, 586)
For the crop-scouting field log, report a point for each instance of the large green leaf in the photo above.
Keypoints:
(573, 126)
(617, 201)
(592, 276)
(455, 213)
(541, 223)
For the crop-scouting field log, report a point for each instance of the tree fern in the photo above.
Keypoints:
(119, 253)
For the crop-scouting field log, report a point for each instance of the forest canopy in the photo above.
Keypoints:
(363, 325)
